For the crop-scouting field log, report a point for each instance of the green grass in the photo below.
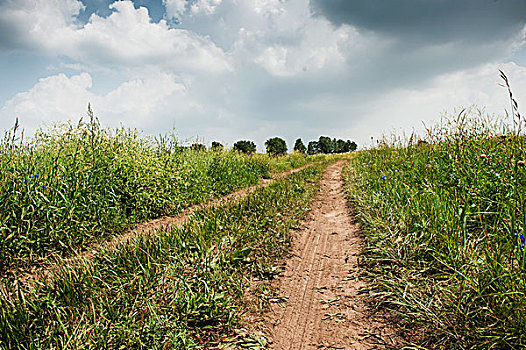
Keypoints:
(444, 222)
(75, 184)
(293, 161)
(180, 288)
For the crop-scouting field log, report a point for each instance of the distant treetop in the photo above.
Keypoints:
(299, 146)
(327, 145)
(245, 146)
(276, 146)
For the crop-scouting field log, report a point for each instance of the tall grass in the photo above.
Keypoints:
(294, 160)
(173, 289)
(73, 184)
(446, 226)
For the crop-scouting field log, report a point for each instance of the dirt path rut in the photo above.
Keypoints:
(322, 306)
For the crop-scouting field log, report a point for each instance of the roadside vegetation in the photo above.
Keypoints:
(445, 231)
(173, 289)
(75, 184)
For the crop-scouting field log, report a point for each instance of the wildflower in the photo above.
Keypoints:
(36, 176)
(382, 177)
(43, 187)
(522, 240)
(483, 156)
(27, 181)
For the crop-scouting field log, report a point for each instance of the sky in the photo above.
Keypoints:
(226, 70)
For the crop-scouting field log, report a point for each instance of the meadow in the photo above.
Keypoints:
(176, 288)
(75, 184)
(445, 219)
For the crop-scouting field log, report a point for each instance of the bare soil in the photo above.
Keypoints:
(322, 300)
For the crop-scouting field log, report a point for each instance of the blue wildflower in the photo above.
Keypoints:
(36, 176)
(382, 177)
(43, 187)
(522, 240)
(27, 181)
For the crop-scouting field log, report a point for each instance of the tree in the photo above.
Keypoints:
(313, 148)
(217, 146)
(245, 146)
(325, 145)
(341, 146)
(276, 146)
(299, 146)
(352, 146)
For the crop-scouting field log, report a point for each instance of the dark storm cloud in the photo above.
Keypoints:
(431, 21)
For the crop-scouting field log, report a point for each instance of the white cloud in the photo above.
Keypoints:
(133, 103)
(126, 37)
(34, 24)
(403, 110)
(174, 8)
(319, 47)
(282, 37)
(206, 7)
(52, 98)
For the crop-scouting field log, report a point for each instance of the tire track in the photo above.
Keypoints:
(323, 308)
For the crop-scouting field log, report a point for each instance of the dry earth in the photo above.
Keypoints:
(322, 306)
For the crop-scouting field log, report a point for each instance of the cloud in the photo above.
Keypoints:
(127, 37)
(430, 22)
(206, 7)
(32, 25)
(405, 109)
(253, 69)
(279, 36)
(52, 98)
(133, 103)
(174, 8)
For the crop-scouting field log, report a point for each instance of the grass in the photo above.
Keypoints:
(75, 184)
(180, 288)
(294, 160)
(445, 222)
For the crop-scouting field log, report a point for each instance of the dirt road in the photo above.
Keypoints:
(322, 306)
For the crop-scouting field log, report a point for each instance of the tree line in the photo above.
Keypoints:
(277, 146)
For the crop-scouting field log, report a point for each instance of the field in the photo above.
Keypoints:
(441, 222)
(178, 287)
(446, 226)
(75, 185)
